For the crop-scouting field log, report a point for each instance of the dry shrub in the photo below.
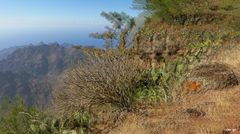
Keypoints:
(99, 80)
(214, 76)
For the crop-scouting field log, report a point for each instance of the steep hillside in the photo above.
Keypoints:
(40, 60)
(30, 72)
(206, 100)
(212, 111)
(7, 51)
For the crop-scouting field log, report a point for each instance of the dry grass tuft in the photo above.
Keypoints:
(228, 54)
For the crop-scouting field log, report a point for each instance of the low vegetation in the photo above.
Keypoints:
(161, 83)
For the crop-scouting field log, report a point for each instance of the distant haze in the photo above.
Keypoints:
(32, 21)
(76, 36)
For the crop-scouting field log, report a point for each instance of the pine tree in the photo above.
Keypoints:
(117, 33)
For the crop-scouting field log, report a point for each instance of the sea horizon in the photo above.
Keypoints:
(75, 36)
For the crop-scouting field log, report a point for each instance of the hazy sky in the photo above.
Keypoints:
(31, 21)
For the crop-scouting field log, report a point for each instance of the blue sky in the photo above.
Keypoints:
(31, 21)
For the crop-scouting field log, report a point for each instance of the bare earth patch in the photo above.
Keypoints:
(208, 113)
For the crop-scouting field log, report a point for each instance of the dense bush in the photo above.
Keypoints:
(191, 11)
(16, 118)
(161, 8)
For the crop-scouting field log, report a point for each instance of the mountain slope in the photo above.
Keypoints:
(7, 51)
(214, 111)
(40, 60)
(29, 72)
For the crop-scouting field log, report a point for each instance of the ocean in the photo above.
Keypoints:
(19, 37)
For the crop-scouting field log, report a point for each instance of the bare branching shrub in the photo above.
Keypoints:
(103, 79)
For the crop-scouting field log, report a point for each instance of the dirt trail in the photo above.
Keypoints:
(211, 112)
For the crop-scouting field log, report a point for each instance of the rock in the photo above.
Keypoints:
(211, 76)
(230, 131)
(193, 112)
(172, 46)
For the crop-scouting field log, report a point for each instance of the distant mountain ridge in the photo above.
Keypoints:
(7, 51)
(29, 71)
(40, 60)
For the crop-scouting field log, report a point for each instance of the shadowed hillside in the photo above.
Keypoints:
(5, 52)
(28, 72)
